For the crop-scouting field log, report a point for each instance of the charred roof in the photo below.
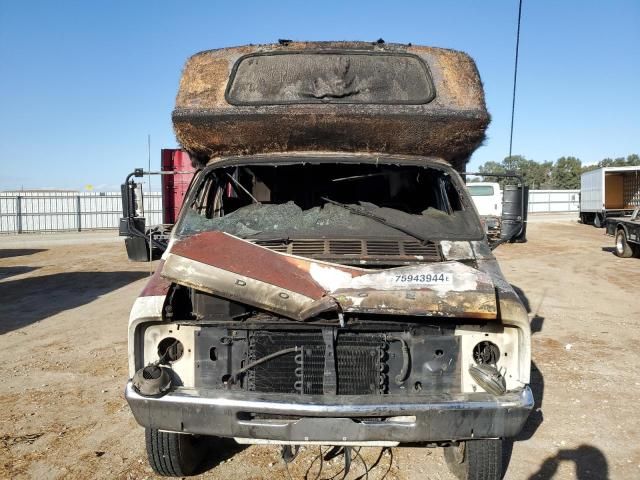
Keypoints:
(339, 96)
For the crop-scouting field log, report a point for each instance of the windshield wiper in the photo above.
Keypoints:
(365, 213)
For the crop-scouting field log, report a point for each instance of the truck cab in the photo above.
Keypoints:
(325, 283)
(626, 231)
(487, 197)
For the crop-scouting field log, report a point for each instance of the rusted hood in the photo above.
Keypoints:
(300, 288)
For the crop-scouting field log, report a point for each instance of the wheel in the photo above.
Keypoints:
(598, 221)
(623, 249)
(475, 459)
(174, 454)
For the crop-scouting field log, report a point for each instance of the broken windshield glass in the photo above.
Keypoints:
(327, 200)
(287, 220)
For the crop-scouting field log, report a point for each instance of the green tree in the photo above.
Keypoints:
(565, 173)
(632, 160)
(492, 167)
(535, 174)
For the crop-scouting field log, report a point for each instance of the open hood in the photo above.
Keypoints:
(300, 288)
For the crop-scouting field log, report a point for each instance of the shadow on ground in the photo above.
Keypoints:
(590, 464)
(218, 451)
(536, 383)
(6, 272)
(28, 300)
(19, 252)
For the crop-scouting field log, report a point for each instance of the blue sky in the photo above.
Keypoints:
(82, 83)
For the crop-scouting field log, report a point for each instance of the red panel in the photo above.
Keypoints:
(156, 284)
(238, 256)
(174, 187)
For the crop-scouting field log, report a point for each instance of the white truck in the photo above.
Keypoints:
(328, 281)
(487, 197)
(608, 192)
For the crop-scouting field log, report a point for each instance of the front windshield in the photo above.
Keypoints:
(330, 201)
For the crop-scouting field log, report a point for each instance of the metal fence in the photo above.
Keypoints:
(29, 212)
(548, 201)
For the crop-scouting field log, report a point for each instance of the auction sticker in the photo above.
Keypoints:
(422, 279)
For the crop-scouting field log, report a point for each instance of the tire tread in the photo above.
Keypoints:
(170, 454)
(482, 460)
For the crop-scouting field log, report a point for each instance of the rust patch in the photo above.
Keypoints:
(244, 258)
(156, 284)
(480, 305)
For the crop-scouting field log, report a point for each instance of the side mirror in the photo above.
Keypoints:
(515, 205)
(137, 249)
(137, 245)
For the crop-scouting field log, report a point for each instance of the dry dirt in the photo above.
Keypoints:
(63, 356)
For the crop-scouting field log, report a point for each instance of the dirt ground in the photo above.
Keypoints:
(64, 304)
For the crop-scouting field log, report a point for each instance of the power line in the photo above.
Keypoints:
(515, 77)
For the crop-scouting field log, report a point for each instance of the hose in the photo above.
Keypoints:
(406, 361)
(264, 359)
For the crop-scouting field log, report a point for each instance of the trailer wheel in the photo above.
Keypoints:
(623, 249)
(174, 454)
(475, 459)
(598, 221)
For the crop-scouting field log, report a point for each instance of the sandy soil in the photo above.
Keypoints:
(63, 315)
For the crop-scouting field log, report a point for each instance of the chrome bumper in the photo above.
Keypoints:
(334, 418)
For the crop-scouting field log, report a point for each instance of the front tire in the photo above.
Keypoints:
(623, 249)
(598, 221)
(174, 454)
(475, 459)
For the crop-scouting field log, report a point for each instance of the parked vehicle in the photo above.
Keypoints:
(626, 231)
(328, 281)
(608, 192)
(487, 197)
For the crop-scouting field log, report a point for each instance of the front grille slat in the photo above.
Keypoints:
(357, 249)
(379, 247)
(345, 247)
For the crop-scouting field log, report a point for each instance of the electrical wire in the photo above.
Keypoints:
(356, 454)
(515, 77)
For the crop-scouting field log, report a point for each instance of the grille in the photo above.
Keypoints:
(360, 366)
(360, 249)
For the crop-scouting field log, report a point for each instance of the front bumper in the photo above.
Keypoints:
(334, 419)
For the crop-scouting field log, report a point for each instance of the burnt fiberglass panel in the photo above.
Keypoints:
(330, 77)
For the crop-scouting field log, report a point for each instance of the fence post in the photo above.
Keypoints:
(79, 213)
(19, 213)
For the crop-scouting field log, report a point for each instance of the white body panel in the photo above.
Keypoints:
(488, 204)
(592, 188)
(592, 191)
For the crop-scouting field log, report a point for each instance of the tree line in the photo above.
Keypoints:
(562, 174)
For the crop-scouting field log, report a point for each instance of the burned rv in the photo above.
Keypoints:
(328, 281)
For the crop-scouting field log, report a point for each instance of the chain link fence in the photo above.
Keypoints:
(31, 212)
